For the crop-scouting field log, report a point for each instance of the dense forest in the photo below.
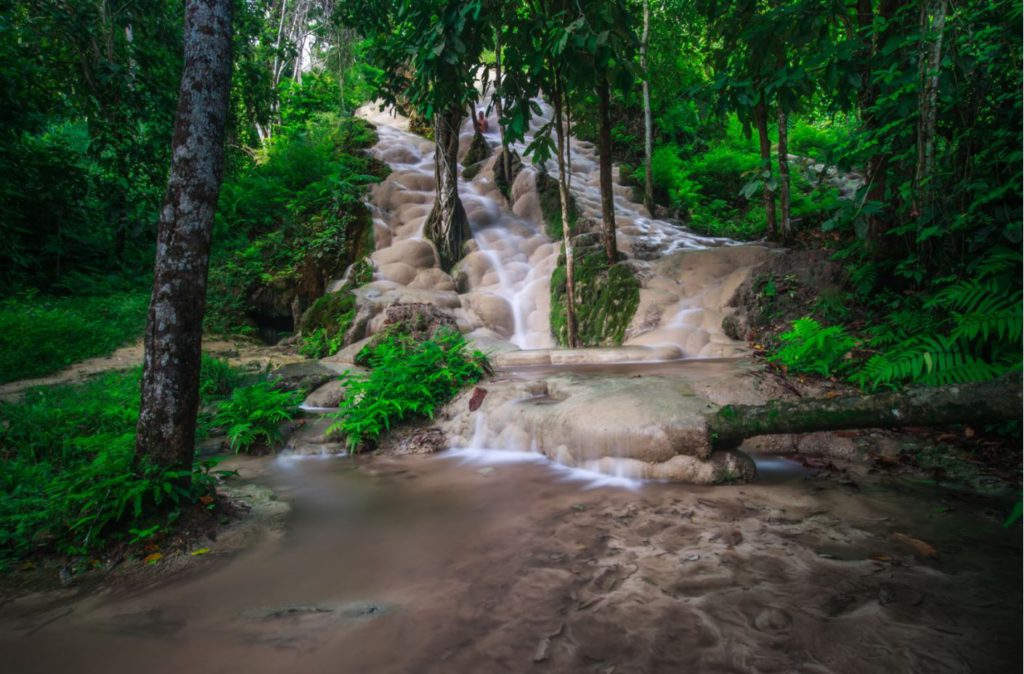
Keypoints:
(878, 140)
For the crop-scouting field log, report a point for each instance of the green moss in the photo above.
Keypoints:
(421, 126)
(551, 207)
(325, 323)
(478, 150)
(607, 296)
(471, 171)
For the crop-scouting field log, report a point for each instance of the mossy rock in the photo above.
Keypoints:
(417, 322)
(421, 126)
(325, 323)
(478, 150)
(471, 171)
(551, 207)
(607, 296)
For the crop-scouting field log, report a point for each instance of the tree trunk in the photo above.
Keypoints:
(978, 402)
(768, 196)
(506, 158)
(930, 61)
(174, 330)
(572, 331)
(878, 164)
(447, 225)
(786, 223)
(648, 142)
(605, 170)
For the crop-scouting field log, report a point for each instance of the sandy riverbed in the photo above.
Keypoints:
(431, 564)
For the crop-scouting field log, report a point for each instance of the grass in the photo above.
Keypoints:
(40, 335)
(70, 482)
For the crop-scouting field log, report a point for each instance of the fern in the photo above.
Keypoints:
(811, 347)
(969, 330)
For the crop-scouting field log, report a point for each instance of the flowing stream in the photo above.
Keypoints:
(427, 565)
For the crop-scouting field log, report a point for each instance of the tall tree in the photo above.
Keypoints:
(549, 52)
(648, 142)
(608, 44)
(430, 53)
(170, 379)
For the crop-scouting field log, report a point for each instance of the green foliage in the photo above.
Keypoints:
(810, 347)
(969, 330)
(406, 379)
(607, 296)
(325, 323)
(253, 415)
(71, 482)
(42, 334)
(298, 213)
(551, 206)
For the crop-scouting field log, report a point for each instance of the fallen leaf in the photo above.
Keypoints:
(477, 399)
(919, 546)
(880, 558)
(200, 551)
(153, 558)
(206, 500)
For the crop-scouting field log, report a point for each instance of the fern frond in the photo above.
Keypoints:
(1004, 323)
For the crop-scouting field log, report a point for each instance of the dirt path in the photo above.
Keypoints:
(239, 352)
(425, 564)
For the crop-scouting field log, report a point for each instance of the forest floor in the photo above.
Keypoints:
(240, 352)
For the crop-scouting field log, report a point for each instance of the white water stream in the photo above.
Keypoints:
(500, 292)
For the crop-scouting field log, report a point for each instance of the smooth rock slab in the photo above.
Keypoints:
(578, 419)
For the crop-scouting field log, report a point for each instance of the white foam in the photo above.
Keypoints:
(497, 457)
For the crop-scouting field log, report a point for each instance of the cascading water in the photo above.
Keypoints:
(499, 294)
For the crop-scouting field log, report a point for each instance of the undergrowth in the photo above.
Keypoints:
(70, 482)
(252, 416)
(407, 379)
(955, 331)
(43, 334)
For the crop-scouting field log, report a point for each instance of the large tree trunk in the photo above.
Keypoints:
(605, 170)
(447, 225)
(648, 181)
(979, 402)
(786, 223)
(174, 330)
(572, 331)
(767, 196)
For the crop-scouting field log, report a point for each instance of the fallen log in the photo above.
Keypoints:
(977, 402)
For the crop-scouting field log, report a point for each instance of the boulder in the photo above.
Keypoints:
(418, 254)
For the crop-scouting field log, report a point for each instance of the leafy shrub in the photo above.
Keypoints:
(217, 378)
(325, 323)
(70, 480)
(254, 414)
(966, 330)
(814, 348)
(820, 139)
(407, 379)
(40, 335)
(298, 210)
